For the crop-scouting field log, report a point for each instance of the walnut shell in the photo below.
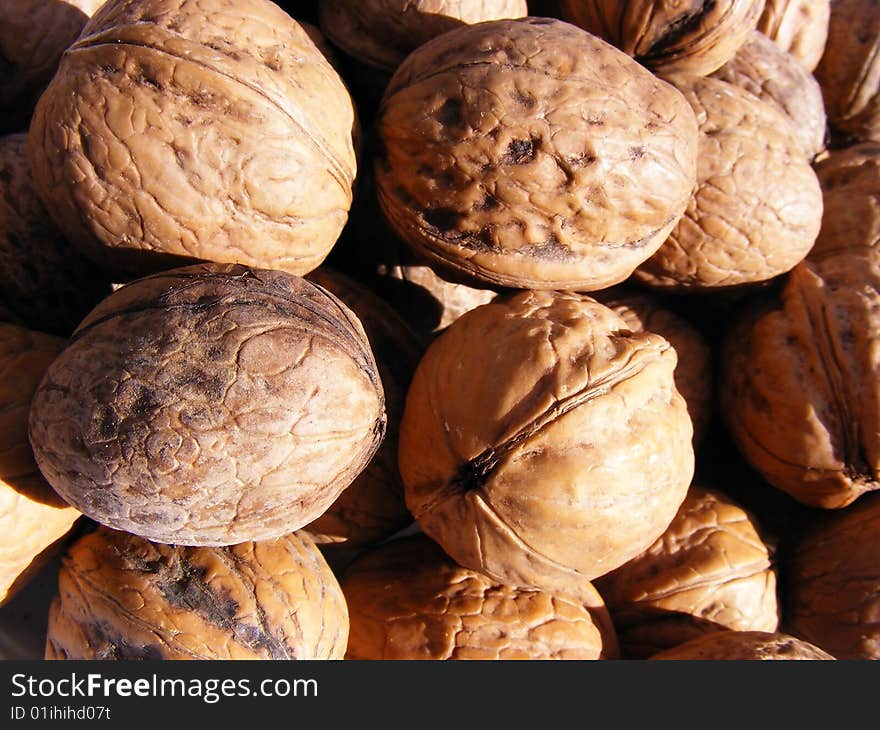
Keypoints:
(849, 71)
(121, 597)
(757, 207)
(745, 646)
(542, 442)
(670, 36)
(709, 571)
(372, 507)
(408, 600)
(45, 283)
(799, 389)
(833, 583)
(33, 35)
(33, 518)
(382, 33)
(176, 131)
(850, 180)
(210, 405)
(799, 27)
(694, 371)
(530, 154)
(769, 73)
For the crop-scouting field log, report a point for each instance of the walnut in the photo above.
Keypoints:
(757, 207)
(528, 153)
(833, 582)
(643, 312)
(210, 405)
(121, 597)
(799, 27)
(849, 69)
(33, 519)
(382, 33)
(543, 443)
(407, 600)
(799, 389)
(850, 180)
(745, 646)
(45, 283)
(177, 130)
(769, 73)
(670, 36)
(372, 508)
(709, 571)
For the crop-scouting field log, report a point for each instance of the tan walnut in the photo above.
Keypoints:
(176, 131)
(757, 207)
(383, 32)
(833, 582)
(710, 571)
(773, 75)
(530, 154)
(543, 443)
(670, 36)
(407, 600)
(745, 646)
(210, 405)
(121, 597)
(45, 283)
(372, 507)
(33, 518)
(799, 27)
(799, 389)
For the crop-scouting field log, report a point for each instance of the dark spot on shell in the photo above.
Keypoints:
(583, 160)
(490, 202)
(524, 99)
(183, 586)
(595, 121)
(450, 113)
(108, 423)
(550, 250)
(113, 646)
(145, 402)
(636, 153)
(519, 152)
(443, 219)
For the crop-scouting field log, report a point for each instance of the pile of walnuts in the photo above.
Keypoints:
(440, 330)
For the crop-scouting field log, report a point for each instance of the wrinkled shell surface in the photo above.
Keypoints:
(383, 32)
(32, 517)
(44, 282)
(210, 405)
(183, 129)
(670, 36)
(121, 597)
(372, 507)
(709, 571)
(528, 153)
(772, 75)
(757, 207)
(745, 646)
(833, 580)
(849, 72)
(694, 371)
(850, 180)
(543, 443)
(799, 388)
(408, 600)
(799, 27)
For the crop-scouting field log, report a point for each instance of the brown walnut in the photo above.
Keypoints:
(799, 389)
(799, 27)
(210, 405)
(530, 154)
(745, 646)
(757, 207)
(183, 130)
(408, 600)
(543, 443)
(710, 571)
(121, 597)
(670, 36)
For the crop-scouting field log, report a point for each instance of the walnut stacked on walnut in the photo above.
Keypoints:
(122, 597)
(210, 405)
(543, 443)
(179, 130)
(799, 27)
(531, 154)
(745, 646)
(408, 600)
(33, 519)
